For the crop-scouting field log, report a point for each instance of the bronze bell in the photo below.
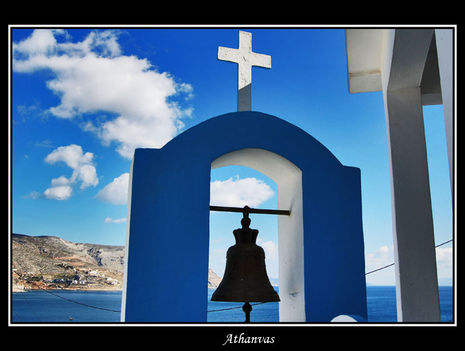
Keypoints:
(245, 278)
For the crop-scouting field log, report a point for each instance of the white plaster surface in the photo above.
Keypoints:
(444, 44)
(343, 319)
(245, 59)
(403, 56)
(126, 254)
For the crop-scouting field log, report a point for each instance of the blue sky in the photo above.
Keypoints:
(83, 98)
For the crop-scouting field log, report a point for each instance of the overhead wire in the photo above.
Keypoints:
(217, 310)
(80, 303)
(392, 264)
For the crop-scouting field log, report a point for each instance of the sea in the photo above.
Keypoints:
(67, 306)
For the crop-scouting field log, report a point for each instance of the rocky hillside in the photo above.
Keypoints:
(49, 262)
(213, 279)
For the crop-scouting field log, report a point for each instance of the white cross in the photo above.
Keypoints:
(245, 59)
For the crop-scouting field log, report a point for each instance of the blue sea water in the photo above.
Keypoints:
(47, 307)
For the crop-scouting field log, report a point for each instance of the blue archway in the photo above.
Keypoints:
(168, 231)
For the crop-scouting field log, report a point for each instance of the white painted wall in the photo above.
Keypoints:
(126, 254)
(404, 53)
(445, 49)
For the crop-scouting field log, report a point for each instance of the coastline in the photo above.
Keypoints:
(52, 288)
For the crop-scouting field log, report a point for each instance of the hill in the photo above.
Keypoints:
(50, 262)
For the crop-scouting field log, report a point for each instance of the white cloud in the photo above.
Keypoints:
(270, 248)
(83, 168)
(32, 195)
(444, 264)
(271, 257)
(87, 174)
(92, 76)
(231, 192)
(62, 180)
(239, 192)
(82, 164)
(383, 256)
(41, 42)
(61, 192)
(116, 192)
(118, 220)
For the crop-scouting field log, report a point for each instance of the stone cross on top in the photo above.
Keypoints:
(245, 59)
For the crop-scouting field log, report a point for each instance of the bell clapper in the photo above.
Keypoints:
(247, 308)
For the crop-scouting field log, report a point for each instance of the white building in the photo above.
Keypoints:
(412, 67)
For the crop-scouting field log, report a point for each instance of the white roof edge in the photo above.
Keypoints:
(365, 49)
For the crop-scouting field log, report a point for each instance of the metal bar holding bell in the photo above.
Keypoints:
(250, 210)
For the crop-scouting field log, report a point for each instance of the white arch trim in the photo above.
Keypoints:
(288, 178)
